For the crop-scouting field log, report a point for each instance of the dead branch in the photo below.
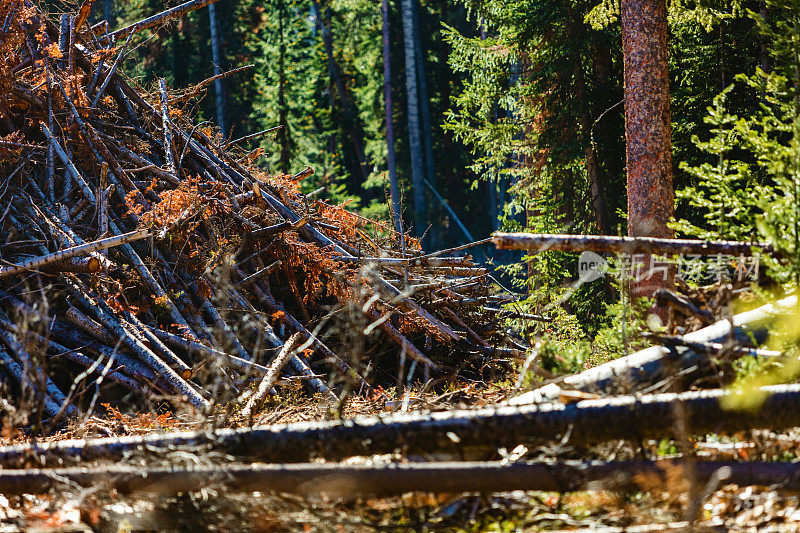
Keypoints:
(271, 376)
(160, 18)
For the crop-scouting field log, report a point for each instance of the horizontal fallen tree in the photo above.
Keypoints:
(544, 242)
(457, 432)
(349, 480)
(650, 365)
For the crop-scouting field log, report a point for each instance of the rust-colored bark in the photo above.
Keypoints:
(647, 126)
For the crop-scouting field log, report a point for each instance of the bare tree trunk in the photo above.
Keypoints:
(414, 131)
(492, 200)
(544, 242)
(456, 432)
(425, 115)
(337, 480)
(647, 126)
(394, 186)
(219, 83)
(107, 10)
(283, 133)
(596, 184)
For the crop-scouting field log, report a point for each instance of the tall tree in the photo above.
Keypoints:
(107, 12)
(391, 160)
(424, 111)
(647, 125)
(217, 58)
(414, 130)
(283, 133)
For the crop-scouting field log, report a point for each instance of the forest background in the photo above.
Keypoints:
(494, 114)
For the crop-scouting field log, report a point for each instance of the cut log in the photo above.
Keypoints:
(75, 251)
(544, 242)
(271, 376)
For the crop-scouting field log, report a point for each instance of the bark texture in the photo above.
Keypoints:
(455, 432)
(544, 242)
(414, 127)
(647, 123)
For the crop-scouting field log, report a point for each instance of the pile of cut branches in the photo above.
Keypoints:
(139, 250)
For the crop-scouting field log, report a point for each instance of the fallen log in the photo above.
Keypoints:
(455, 432)
(649, 365)
(711, 348)
(548, 242)
(352, 480)
(207, 353)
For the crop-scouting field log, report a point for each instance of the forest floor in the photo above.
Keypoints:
(728, 507)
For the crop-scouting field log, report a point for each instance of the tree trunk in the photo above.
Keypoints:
(283, 133)
(425, 115)
(647, 126)
(456, 432)
(391, 160)
(107, 12)
(337, 480)
(652, 364)
(491, 204)
(414, 131)
(548, 242)
(219, 84)
(601, 63)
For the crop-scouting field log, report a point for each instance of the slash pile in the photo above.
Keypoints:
(139, 250)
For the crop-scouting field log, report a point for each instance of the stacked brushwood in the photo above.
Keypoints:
(140, 250)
